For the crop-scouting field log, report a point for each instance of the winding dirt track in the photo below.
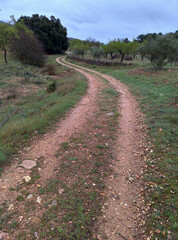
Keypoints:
(122, 217)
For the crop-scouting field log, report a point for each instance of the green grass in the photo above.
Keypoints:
(156, 92)
(27, 109)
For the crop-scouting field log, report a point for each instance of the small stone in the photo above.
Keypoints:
(28, 164)
(4, 187)
(27, 179)
(20, 218)
(157, 231)
(29, 196)
(54, 203)
(131, 179)
(61, 191)
(11, 207)
(4, 236)
(110, 114)
(39, 200)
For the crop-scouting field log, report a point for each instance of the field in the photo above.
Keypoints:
(27, 109)
(156, 91)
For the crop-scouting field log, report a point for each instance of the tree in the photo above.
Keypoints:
(49, 31)
(160, 51)
(97, 52)
(112, 47)
(105, 49)
(80, 48)
(7, 34)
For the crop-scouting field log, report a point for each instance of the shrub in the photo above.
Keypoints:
(28, 49)
(50, 69)
(51, 87)
(97, 52)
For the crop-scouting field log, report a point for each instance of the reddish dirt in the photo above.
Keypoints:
(123, 214)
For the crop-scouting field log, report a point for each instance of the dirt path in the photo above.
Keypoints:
(124, 213)
(45, 149)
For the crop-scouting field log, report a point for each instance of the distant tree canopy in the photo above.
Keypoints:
(160, 50)
(142, 37)
(49, 31)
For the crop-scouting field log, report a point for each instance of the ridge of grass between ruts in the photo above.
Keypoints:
(34, 113)
(156, 92)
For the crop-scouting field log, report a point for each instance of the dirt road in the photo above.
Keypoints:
(123, 213)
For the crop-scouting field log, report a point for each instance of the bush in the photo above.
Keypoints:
(28, 49)
(51, 87)
(50, 69)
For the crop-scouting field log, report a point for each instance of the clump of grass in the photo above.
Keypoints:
(50, 69)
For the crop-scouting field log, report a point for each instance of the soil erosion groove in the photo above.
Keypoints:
(124, 215)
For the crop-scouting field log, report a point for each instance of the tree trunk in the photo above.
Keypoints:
(122, 58)
(5, 56)
(111, 53)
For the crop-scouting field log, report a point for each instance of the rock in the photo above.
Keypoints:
(28, 164)
(27, 179)
(54, 203)
(157, 231)
(4, 236)
(61, 191)
(20, 218)
(110, 114)
(39, 200)
(11, 207)
(131, 179)
(29, 196)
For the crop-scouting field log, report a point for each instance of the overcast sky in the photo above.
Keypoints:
(101, 19)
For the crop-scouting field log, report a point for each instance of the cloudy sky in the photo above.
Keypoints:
(101, 19)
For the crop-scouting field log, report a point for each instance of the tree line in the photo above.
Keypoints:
(160, 49)
(29, 38)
